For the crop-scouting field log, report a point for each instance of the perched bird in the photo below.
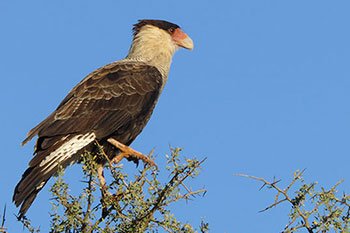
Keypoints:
(109, 107)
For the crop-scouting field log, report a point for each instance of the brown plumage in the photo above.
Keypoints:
(115, 101)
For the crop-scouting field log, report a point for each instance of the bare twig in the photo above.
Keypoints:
(86, 227)
(286, 198)
(3, 217)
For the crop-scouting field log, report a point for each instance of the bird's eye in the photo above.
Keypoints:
(171, 30)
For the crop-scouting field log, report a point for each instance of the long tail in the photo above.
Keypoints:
(61, 152)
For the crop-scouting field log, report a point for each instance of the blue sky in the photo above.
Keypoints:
(264, 92)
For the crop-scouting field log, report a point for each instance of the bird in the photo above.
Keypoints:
(108, 108)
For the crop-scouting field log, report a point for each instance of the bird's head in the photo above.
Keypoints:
(155, 42)
(163, 30)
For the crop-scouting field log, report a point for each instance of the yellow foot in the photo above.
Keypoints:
(126, 152)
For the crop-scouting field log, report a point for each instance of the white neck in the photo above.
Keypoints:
(155, 47)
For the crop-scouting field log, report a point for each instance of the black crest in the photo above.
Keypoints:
(162, 24)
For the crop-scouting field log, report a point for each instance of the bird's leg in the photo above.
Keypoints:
(104, 191)
(126, 152)
(100, 176)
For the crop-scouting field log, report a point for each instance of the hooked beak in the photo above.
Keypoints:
(182, 39)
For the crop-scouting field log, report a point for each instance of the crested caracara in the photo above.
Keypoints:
(109, 107)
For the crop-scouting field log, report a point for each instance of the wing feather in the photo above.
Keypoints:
(108, 101)
(118, 90)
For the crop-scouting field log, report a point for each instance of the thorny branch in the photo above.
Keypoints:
(133, 203)
(318, 211)
(176, 180)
